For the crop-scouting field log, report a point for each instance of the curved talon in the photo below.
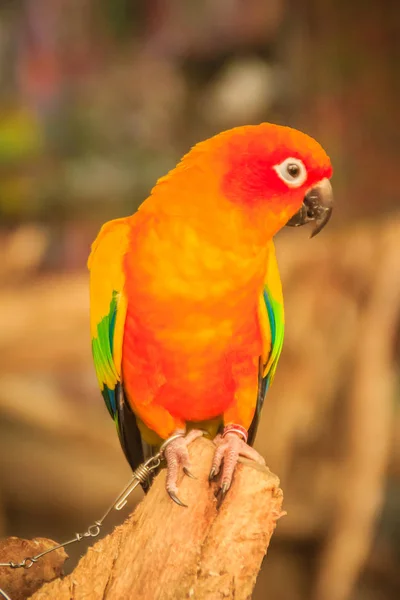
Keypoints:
(177, 500)
(221, 494)
(189, 473)
(213, 474)
(224, 488)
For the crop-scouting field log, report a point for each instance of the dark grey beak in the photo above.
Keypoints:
(317, 206)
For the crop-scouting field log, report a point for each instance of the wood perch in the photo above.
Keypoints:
(21, 583)
(166, 552)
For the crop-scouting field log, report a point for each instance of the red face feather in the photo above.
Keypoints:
(254, 151)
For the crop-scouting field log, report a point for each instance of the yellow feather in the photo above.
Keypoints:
(107, 278)
(273, 284)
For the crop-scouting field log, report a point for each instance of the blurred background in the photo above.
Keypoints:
(98, 98)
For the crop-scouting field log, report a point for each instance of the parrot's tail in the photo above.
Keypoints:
(136, 450)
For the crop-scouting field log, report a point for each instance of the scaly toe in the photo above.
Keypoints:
(229, 448)
(176, 455)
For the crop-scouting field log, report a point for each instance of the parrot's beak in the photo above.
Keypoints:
(317, 206)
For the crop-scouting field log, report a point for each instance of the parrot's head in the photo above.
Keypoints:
(250, 182)
(277, 172)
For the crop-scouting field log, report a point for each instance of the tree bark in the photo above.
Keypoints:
(21, 583)
(166, 552)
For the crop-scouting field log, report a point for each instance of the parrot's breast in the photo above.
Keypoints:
(192, 322)
(187, 368)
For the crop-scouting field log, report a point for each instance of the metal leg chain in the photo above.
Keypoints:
(139, 476)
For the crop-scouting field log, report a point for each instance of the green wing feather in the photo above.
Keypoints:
(272, 322)
(276, 319)
(102, 350)
(108, 306)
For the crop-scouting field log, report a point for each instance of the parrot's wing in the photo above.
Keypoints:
(272, 322)
(108, 305)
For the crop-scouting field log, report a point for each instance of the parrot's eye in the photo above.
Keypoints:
(292, 171)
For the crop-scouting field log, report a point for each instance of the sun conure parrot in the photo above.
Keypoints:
(187, 317)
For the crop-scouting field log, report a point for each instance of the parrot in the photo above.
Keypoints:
(186, 304)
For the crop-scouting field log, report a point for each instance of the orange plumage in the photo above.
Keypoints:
(194, 260)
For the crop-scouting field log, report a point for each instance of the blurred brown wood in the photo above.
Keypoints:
(167, 552)
(21, 583)
(372, 386)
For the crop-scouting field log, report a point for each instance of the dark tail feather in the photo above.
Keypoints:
(135, 449)
(262, 390)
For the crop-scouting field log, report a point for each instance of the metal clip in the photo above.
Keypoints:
(139, 476)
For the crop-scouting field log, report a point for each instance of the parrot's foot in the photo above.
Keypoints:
(231, 444)
(175, 452)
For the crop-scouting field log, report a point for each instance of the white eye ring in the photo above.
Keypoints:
(292, 171)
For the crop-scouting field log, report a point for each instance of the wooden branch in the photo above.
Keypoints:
(166, 552)
(21, 583)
